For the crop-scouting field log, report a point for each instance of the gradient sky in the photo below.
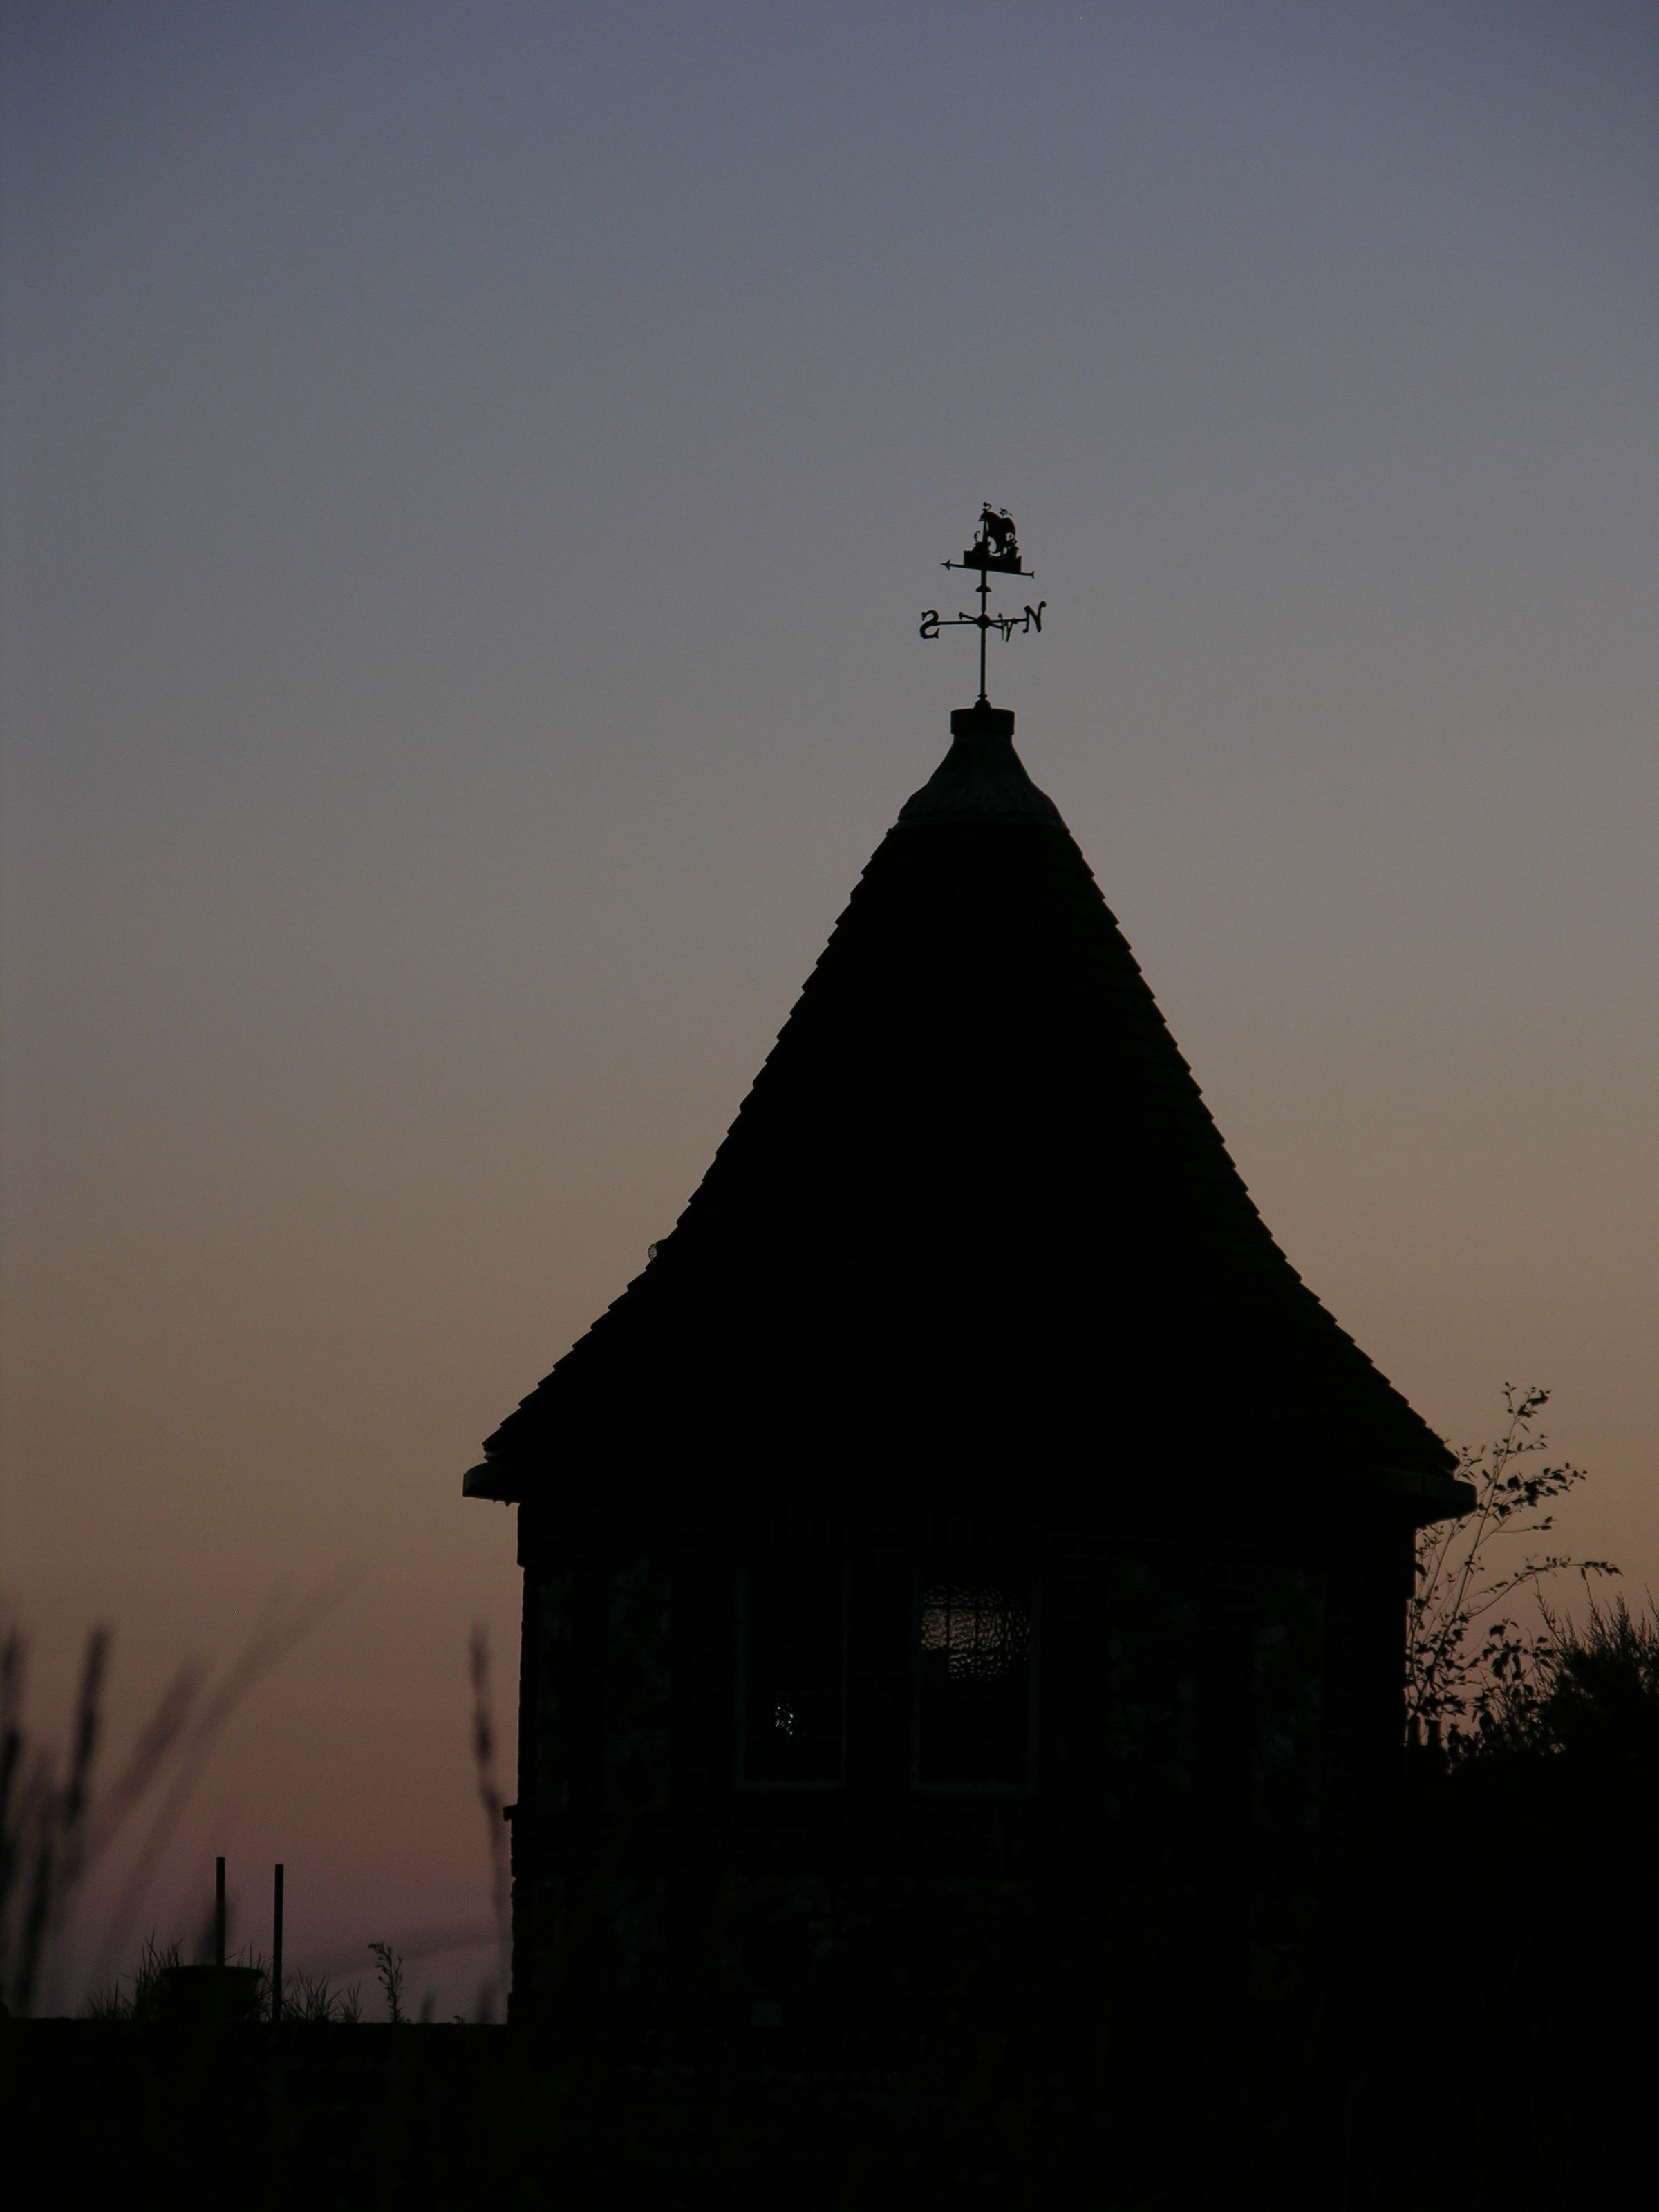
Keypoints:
(474, 474)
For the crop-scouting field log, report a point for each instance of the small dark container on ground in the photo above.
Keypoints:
(207, 1997)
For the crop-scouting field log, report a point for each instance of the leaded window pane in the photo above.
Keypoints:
(974, 1680)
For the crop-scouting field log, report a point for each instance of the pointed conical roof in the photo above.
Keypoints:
(974, 1207)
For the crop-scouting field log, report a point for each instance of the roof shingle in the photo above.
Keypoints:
(973, 1208)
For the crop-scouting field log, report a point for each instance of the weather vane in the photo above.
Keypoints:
(995, 551)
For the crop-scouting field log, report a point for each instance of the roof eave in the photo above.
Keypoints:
(490, 1479)
(1429, 1494)
(1432, 1495)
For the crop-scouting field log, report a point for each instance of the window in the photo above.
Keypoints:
(974, 1680)
(792, 1690)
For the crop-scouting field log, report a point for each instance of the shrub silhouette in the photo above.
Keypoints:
(1596, 1700)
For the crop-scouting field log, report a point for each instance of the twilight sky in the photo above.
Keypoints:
(474, 472)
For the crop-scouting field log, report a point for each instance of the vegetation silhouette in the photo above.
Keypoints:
(489, 1797)
(389, 1972)
(56, 1826)
(1467, 1656)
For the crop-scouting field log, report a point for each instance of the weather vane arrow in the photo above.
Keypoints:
(995, 551)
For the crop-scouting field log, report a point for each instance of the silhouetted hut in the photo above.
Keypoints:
(969, 1530)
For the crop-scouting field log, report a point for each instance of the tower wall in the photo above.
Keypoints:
(1216, 1723)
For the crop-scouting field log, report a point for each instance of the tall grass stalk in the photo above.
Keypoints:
(489, 1797)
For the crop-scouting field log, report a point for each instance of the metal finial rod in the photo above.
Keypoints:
(996, 550)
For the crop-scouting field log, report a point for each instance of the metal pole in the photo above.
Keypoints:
(277, 1948)
(218, 1913)
(984, 630)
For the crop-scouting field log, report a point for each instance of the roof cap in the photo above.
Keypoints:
(981, 778)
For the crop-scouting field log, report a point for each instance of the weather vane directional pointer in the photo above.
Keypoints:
(995, 551)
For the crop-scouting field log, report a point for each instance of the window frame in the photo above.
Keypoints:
(955, 1568)
(746, 1569)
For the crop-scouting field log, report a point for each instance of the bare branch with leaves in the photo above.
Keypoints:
(1468, 1656)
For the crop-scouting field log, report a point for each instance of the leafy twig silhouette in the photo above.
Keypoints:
(1468, 1658)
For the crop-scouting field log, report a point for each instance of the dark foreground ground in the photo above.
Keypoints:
(1479, 2029)
(1280, 2106)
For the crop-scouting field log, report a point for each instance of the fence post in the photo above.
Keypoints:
(276, 1949)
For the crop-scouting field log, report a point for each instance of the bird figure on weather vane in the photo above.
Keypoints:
(995, 551)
